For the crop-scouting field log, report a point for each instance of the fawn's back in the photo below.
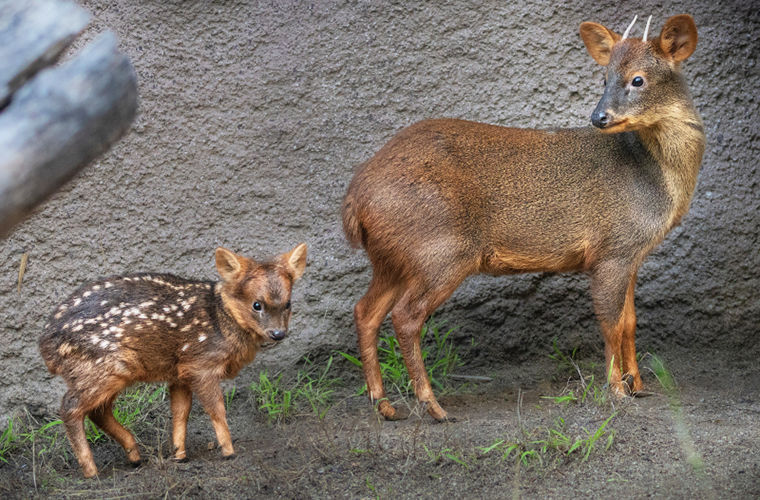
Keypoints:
(139, 326)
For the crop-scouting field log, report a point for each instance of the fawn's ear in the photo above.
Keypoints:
(678, 38)
(295, 260)
(599, 41)
(228, 264)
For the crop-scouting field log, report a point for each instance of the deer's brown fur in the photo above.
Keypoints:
(446, 198)
(157, 327)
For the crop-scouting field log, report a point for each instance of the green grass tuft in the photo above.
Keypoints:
(439, 353)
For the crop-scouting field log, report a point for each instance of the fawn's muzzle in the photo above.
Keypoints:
(277, 334)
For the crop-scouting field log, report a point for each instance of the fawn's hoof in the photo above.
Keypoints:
(231, 456)
(133, 457)
(90, 472)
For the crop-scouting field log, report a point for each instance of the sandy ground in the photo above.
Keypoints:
(702, 441)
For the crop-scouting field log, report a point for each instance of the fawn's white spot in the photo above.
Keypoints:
(98, 361)
(104, 343)
(138, 326)
(147, 303)
(201, 338)
(186, 328)
(184, 347)
(94, 339)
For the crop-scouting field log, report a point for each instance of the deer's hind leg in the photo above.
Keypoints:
(409, 315)
(369, 314)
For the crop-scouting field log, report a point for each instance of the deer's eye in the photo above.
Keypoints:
(287, 305)
(257, 306)
(637, 81)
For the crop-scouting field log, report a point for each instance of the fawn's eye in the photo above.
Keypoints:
(287, 305)
(637, 81)
(257, 306)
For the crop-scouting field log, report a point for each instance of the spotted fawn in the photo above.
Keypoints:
(445, 199)
(158, 327)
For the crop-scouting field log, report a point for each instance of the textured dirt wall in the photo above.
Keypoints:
(253, 117)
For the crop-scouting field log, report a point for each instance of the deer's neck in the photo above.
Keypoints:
(677, 142)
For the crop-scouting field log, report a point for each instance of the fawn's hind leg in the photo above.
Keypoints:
(369, 314)
(103, 418)
(181, 401)
(72, 415)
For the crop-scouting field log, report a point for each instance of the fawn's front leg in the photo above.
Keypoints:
(212, 399)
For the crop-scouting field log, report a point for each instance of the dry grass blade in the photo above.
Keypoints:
(22, 269)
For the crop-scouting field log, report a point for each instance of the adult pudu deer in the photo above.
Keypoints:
(157, 327)
(445, 199)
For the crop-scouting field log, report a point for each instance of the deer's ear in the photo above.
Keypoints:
(599, 41)
(228, 264)
(678, 38)
(295, 261)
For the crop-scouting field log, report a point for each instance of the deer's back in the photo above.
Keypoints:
(469, 188)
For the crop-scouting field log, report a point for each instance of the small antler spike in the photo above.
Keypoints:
(646, 30)
(625, 35)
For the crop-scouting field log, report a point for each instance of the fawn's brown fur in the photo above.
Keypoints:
(446, 198)
(157, 327)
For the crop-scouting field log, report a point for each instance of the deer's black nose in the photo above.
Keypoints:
(277, 334)
(600, 119)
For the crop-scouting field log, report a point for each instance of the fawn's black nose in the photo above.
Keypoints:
(277, 334)
(600, 119)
